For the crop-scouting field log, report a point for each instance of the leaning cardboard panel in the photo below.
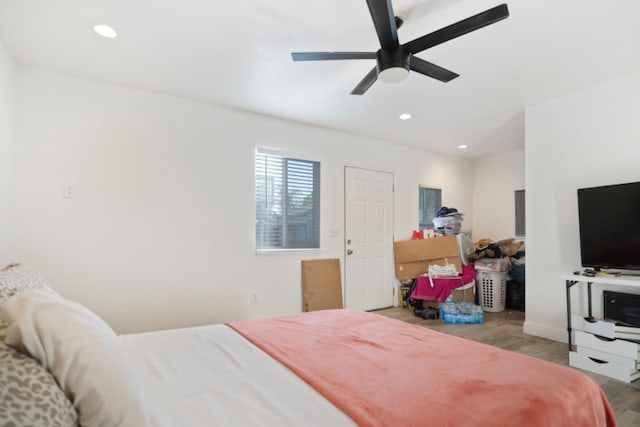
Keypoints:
(413, 257)
(461, 294)
(321, 284)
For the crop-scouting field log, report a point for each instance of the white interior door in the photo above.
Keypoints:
(369, 277)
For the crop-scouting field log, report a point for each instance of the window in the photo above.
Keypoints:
(287, 203)
(430, 200)
(520, 216)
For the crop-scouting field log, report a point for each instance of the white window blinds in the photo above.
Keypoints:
(430, 200)
(287, 203)
(520, 213)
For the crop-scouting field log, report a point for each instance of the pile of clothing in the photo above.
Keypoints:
(487, 248)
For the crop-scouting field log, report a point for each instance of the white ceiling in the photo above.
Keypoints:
(237, 53)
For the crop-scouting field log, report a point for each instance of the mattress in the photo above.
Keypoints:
(347, 367)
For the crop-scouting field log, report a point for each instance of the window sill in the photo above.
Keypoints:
(285, 251)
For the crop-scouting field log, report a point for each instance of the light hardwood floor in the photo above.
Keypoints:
(504, 330)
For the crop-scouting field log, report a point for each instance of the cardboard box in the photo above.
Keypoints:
(321, 284)
(413, 257)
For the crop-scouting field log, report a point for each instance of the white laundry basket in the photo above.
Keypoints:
(492, 289)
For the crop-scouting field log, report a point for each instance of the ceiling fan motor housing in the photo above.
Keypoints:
(392, 64)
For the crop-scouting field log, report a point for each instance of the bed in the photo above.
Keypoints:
(327, 368)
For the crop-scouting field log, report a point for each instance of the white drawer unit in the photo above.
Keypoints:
(616, 358)
(622, 348)
(608, 357)
(604, 328)
(609, 369)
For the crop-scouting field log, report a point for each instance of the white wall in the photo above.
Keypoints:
(7, 171)
(495, 179)
(587, 138)
(160, 231)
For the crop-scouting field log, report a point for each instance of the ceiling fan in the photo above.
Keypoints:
(394, 60)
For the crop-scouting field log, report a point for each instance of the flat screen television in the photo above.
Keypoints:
(609, 221)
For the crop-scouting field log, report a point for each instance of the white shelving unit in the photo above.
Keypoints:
(615, 358)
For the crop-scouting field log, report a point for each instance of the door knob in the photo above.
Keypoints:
(349, 251)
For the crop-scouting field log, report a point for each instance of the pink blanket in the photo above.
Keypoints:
(443, 286)
(384, 372)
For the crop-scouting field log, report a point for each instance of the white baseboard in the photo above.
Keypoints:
(545, 332)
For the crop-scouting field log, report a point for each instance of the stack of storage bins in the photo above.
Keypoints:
(450, 224)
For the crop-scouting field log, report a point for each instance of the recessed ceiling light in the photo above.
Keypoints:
(105, 31)
(405, 116)
(462, 147)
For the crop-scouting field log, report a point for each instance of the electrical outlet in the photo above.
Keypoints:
(68, 192)
(254, 298)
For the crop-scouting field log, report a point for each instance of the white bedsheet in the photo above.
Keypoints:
(212, 376)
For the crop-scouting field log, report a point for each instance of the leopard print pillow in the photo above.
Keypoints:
(18, 278)
(3, 330)
(29, 395)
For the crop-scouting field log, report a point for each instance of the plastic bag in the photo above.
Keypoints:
(447, 270)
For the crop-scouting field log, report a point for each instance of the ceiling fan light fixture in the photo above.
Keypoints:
(392, 65)
(393, 75)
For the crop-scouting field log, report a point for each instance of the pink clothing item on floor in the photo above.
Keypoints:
(442, 287)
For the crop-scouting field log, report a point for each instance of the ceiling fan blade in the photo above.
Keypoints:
(326, 56)
(384, 22)
(458, 29)
(366, 83)
(432, 70)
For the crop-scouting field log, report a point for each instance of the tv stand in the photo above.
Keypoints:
(607, 357)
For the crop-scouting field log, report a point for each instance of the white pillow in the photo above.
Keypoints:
(82, 352)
